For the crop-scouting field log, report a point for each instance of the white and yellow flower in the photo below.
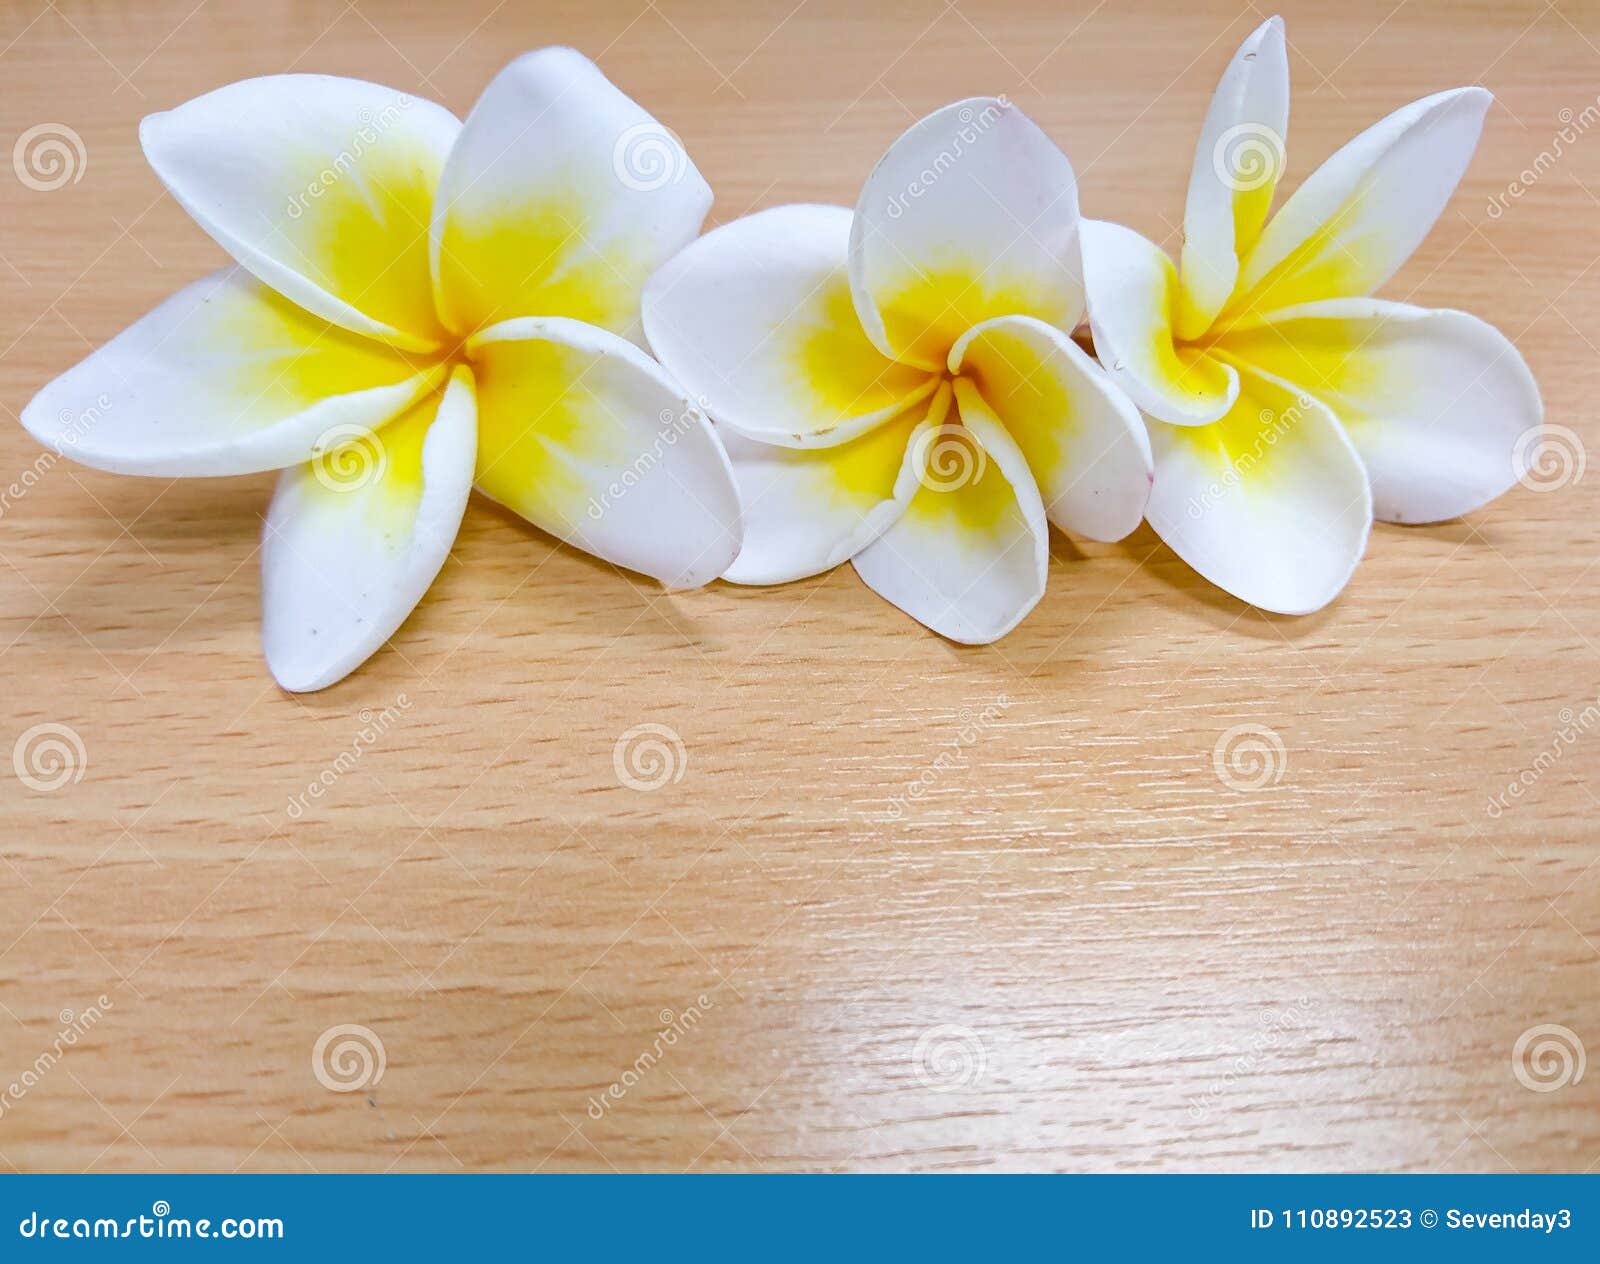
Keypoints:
(1287, 407)
(897, 385)
(419, 306)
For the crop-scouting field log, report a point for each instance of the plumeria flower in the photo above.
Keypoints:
(897, 385)
(420, 306)
(1287, 407)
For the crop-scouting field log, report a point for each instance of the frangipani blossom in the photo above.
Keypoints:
(419, 306)
(897, 385)
(1287, 407)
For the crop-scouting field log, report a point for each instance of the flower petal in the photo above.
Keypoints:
(560, 198)
(1133, 296)
(225, 377)
(1437, 403)
(355, 537)
(755, 320)
(1237, 162)
(588, 438)
(1270, 503)
(968, 557)
(321, 186)
(1083, 438)
(972, 213)
(1359, 216)
(808, 509)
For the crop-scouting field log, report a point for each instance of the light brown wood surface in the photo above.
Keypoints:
(1079, 949)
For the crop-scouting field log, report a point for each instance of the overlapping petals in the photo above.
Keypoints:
(897, 382)
(419, 305)
(1434, 409)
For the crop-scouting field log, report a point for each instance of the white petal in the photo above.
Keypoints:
(1270, 503)
(969, 555)
(1359, 216)
(321, 186)
(588, 438)
(355, 537)
(1082, 437)
(560, 198)
(808, 509)
(225, 377)
(1133, 298)
(1438, 404)
(755, 320)
(972, 213)
(1237, 162)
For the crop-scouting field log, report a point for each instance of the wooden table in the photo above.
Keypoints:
(1080, 949)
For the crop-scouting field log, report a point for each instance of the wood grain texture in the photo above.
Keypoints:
(1078, 949)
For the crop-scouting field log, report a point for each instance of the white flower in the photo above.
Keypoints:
(897, 385)
(1288, 408)
(421, 306)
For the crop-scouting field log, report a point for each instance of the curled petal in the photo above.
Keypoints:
(1133, 295)
(1358, 217)
(1237, 162)
(225, 377)
(355, 537)
(968, 557)
(560, 198)
(808, 509)
(1271, 503)
(588, 438)
(972, 213)
(1439, 404)
(755, 319)
(320, 186)
(1082, 437)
